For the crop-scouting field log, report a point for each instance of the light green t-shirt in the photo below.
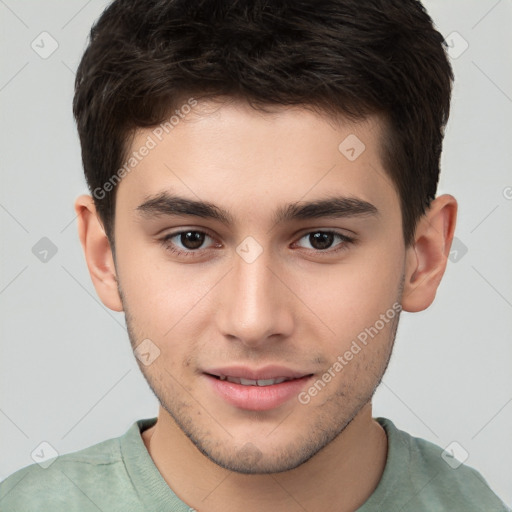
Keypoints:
(119, 474)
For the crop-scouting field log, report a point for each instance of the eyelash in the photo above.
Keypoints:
(346, 241)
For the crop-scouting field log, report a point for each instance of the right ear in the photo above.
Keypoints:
(98, 253)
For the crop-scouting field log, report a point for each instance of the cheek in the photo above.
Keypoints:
(151, 284)
(167, 303)
(348, 298)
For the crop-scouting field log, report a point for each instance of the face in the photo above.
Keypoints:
(272, 308)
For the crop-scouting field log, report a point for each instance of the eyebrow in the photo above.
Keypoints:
(165, 204)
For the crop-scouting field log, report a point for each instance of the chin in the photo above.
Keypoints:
(264, 456)
(249, 460)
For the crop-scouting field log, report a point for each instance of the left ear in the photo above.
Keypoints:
(427, 257)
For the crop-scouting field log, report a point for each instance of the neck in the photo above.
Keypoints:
(340, 478)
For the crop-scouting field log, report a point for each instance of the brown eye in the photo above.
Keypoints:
(186, 243)
(324, 240)
(321, 240)
(192, 239)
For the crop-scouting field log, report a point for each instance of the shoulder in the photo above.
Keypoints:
(437, 480)
(73, 481)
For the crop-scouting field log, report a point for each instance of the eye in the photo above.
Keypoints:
(190, 242)
(321, 241)
(185, 243)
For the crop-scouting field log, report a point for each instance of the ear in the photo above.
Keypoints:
(98, 253)
(427, 257)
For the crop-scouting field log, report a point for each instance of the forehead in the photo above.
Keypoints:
(231, 154)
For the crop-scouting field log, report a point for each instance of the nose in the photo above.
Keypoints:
(255, 306)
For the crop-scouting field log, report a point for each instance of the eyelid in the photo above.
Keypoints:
(343, 245)
(345, 240)
(166, 239)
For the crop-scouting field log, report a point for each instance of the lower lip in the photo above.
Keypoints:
(258, 398)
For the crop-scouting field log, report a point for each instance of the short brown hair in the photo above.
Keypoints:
(347, 57)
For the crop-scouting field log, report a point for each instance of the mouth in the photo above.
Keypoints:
(257, 390)
(252, 382)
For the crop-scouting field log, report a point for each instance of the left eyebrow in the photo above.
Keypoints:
(331, 207)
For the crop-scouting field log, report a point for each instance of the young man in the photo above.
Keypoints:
(263, 179)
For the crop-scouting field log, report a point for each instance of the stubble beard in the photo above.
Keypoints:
(246, 458)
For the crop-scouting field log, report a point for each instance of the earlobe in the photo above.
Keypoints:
(426, 259)
(98, 253)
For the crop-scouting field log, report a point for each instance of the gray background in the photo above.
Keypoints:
(67, 374)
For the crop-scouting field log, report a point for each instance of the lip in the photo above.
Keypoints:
(267, 372)
(257, 398)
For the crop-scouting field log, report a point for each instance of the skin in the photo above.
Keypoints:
(295, 305)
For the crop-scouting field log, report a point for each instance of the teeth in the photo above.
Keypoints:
(251, 382)
(269, 382)
(248, 382)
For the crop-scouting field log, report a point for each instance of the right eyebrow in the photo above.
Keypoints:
(169, 204)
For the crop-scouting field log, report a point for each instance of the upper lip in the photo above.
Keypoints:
(267, 372)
